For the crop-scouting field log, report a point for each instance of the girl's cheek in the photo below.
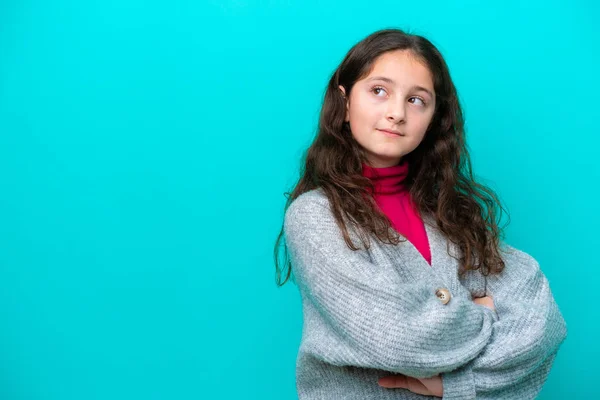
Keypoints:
(379, 113)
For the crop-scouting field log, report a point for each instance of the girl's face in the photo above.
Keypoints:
(390, 109)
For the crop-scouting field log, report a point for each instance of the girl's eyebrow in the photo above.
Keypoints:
(391, 81)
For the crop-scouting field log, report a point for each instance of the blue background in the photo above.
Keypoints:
(145, 147)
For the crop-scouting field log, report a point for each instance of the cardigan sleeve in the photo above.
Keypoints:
(525, 339)
(378, 320)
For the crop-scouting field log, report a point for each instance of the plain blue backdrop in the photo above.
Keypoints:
(145, 147)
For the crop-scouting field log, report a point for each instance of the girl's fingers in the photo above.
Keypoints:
(434, 385)
(394, 381)
(416, 386)
(404, 382)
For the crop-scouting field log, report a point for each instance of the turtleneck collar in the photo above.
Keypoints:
(387, 180)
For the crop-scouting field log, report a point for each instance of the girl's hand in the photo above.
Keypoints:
(425, 386)
(486, 301)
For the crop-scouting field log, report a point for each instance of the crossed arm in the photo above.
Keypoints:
(525, 339)
(518, 383)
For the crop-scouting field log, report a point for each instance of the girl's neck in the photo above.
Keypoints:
(387, 180)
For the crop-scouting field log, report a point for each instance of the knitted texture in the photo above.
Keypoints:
(371, 313)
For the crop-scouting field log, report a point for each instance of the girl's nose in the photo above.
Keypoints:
(396, 111)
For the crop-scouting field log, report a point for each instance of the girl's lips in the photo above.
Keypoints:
(388, 133)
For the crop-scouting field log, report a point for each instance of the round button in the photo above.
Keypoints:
(443, 294)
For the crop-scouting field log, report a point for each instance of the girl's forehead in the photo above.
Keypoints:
(399, 64)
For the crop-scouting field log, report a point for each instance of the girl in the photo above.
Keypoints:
(433, 303)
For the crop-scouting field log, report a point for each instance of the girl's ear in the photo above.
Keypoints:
(347, 118)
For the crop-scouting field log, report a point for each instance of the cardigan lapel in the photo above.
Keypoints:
(443, 268)
(410, 257)
(445, 260)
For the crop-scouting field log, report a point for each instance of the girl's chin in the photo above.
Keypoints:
(384, 160)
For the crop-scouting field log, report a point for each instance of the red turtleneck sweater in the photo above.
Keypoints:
(393, 199)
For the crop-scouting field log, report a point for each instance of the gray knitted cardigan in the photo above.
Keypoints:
(371, 313)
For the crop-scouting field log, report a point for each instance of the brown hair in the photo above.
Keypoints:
(440, 178)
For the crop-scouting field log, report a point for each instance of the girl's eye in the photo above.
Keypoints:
(377, 88)
(420, 99)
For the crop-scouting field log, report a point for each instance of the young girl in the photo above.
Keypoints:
(433, 303)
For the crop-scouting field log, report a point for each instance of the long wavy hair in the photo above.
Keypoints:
(440, 179)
